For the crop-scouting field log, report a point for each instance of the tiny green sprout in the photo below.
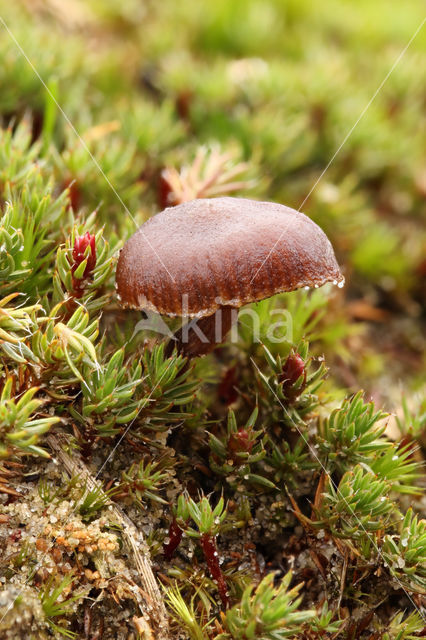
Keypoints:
(267, 612)
(355, 433)
(237, 449)
(207, 520)
(142, 482)
(19, 429)
(405, 628)
(289, 460)
(109, 394)
(93, 500)
(67, 347)
(16, 327)
(12, 243)
(25, 555)
(30, 219)
(186, 614)
(241, 515)
(352, 432)
(412, 422)
(359, 505)
(47, 492)
(323, 621)
(405, 554)
(167, 384)
(181, 510)
(396, 465)
(56, 604)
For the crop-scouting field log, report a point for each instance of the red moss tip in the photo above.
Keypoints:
(79, 253)
(293, 369)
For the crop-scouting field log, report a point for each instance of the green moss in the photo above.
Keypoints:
(237, 470)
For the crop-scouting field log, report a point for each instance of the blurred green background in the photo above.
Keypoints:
(277, 84)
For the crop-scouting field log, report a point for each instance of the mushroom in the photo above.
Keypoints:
(206, 258)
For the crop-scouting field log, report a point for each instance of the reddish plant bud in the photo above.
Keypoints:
(293, 368)
(175, 536)
(240, 442)
(80, 245)
(226, 391)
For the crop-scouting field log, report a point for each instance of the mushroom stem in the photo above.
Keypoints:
(199, 336)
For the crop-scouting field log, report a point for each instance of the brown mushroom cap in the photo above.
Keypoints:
(222, 252)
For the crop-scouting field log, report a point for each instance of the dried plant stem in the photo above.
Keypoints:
(152, 606)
